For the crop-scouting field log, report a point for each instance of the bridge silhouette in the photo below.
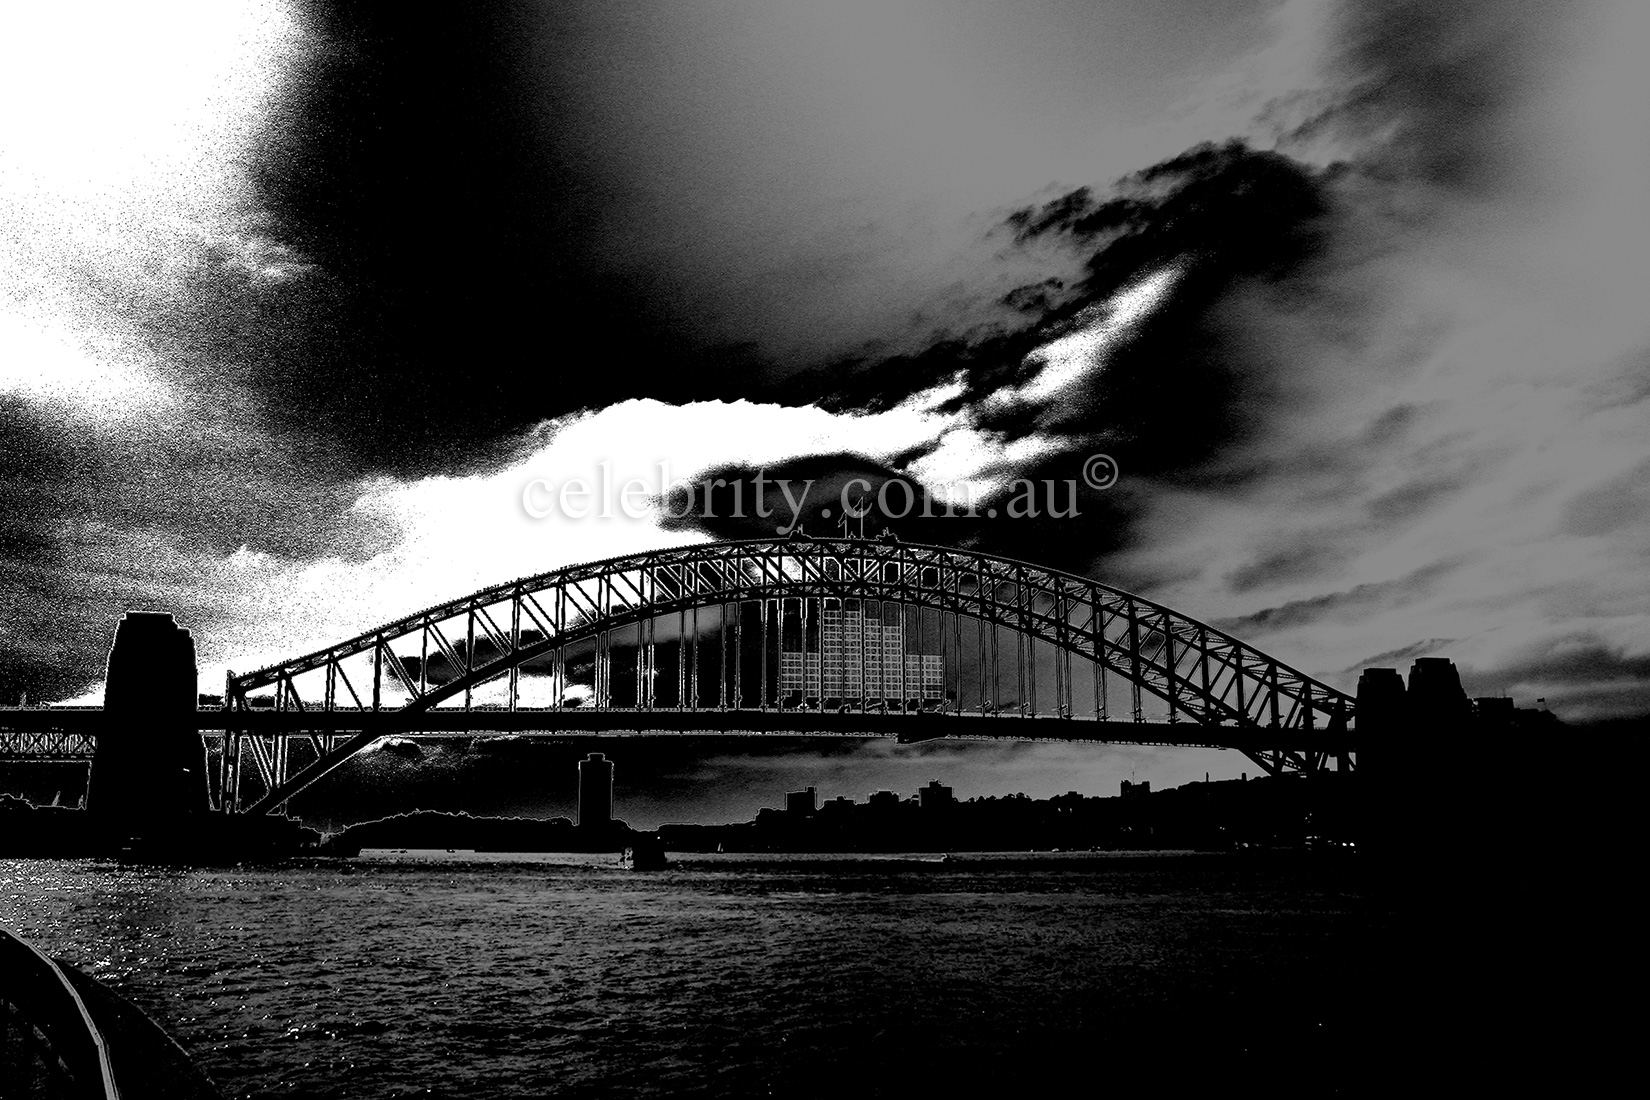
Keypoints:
(852, 636)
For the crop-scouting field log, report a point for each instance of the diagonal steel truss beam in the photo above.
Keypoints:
(1204, 676)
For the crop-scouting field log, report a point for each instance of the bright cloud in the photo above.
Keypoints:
(124, 147)
(1082, 351)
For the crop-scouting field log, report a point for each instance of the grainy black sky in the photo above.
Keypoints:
(296, 298)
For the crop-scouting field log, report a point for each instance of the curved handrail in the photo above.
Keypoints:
(44, 996)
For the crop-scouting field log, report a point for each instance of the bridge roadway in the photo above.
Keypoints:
(68, 731)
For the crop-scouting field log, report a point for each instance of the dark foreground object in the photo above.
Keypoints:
(67, 1034)
(1515, 930)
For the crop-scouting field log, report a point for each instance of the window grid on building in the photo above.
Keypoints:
(850, 672)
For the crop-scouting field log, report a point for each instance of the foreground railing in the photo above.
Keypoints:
(55, 1022)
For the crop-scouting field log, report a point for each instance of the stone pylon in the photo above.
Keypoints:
(149, 771)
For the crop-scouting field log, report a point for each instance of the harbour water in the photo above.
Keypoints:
(463, 975)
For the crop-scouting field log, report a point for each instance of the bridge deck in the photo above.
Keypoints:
(46, 745)
(68, 730)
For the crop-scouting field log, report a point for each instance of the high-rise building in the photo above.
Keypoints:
(801, 802)
(883, 801)
(1143, 788)
(1435, 695)
(934, 796)
(595, 790)
(861, 657)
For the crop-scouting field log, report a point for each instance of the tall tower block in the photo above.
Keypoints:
(595, 790)
(1436, 697)
(1386, 805)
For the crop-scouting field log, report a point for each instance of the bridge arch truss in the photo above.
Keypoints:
(768, 628)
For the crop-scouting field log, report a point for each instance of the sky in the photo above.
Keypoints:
(296, 299)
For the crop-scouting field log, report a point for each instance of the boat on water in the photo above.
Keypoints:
(645, 854)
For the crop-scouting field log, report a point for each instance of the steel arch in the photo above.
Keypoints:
(1204, 675)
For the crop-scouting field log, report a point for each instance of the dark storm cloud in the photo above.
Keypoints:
(1341, 473)
(38, 462)
(1174, 393)
(36, 679)
(44, 652)
(51, 644)
(135, 511)
(1619, 503)
(738, 509)
(460, 218)
(454, 282)
(133, 508)
(1415, 498)
(1402, 653)
(914, 512)
(432, 170)
(56, 624)
(445, 256)
(1390, 426)
(1596, 678)
(106, 515)
(1036, 299)
(1184, 384)
(1225, 214)
(1627, 386)
(821, 483)
(1581, 659)
(1431, 87)
(1293, 563)
(1361, 599)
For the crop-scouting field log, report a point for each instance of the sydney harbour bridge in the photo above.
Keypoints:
(852, 636)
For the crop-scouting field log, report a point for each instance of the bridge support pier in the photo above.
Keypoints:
(149, 771)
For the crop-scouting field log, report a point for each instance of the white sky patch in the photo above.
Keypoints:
(119, 103)
(455, 535)
(972, 463)
(78, 371)
(122, 148)
(1078, 353)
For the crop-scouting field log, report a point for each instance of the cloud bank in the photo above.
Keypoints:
(1375, 371)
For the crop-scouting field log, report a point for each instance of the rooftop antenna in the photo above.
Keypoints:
(858, 511)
